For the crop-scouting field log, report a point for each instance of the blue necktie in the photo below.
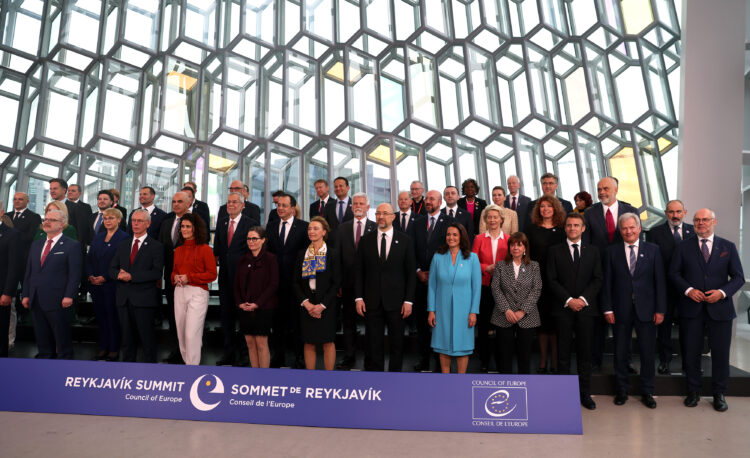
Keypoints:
(341, 211)
(98, 223)
(677, 238)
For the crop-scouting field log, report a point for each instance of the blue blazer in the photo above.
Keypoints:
(722, 271)
(644, 293)
(58, 277)
(101, 253)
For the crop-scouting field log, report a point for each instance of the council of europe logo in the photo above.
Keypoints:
(495, 403)
(218, 388)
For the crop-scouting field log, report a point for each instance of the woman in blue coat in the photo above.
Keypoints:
(102, 288)
(455, 286)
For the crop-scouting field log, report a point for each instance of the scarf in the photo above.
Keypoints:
(314, 262)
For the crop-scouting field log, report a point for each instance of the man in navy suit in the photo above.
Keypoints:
(634, 296)
(428, 233)
(146, 198)
(138, 266)
(339, 209)
(26, 222)
(450, 194)
(667, 236)
(251, 210)
(405, 216)
(286, 236)
(230, 244)
(549, 186)
(104, 200)
(11, 252)
(53, 273)
(518, 202)
(706, 269)
(321, 189)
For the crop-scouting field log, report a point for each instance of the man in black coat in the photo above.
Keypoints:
(574, 272)
(321, 189)
(249, 209)
(416, 190)
(384, 288)
(26, 222)
(405, 216)
(11, 251)
(200, 210)
(138, 266)
(146, 198)
(452, 209)
(339, 209)
(82, 214)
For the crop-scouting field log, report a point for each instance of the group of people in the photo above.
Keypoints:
(461, 270)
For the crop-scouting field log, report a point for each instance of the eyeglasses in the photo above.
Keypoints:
(383, 213)
(253, 239)
(236, 188)
(702, 220)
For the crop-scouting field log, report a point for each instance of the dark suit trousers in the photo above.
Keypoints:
(53, 332)
(646, 333)
(486, 306)
(137, 323)
(599, 338)
(514, 340)
(228, 318)
(719, 340)
(424, 331)
(349, 321)
(571, 323)
(285, 333)
(376, 318)
(169, 312)
(4, 326)
(105, 310)
(664, 331)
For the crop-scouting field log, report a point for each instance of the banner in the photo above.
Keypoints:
(372, 400)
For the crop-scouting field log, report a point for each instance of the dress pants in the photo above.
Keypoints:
(719, 340)
(486, 306)
(645, 331)
(228, 311)
(664, 331)
(105, 310)
(285, 332)
(137, 323)
(53, 332)
(424, 331)
(570, 323)
(349, 322)
(190, 307)
(376, 318)
(4, 329)
(514, 340)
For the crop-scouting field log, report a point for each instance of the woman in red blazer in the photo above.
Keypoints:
(491, 248)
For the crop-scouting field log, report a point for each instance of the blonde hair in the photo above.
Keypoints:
(61, 207)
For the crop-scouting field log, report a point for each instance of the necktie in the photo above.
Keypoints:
(610, 220)
(98, 223)
(632, 260)
(18, 215)
(134, 251)
(704, 249)
(576, 255)
(513, 204)
(358, 235)
(403, 221)
(282, 234)
(382, 248)
(230, 233)
(176, 231)
(677, 238)
(320, 207)
(341, 211)
(451, 213)
(46, 251)
(430, 227)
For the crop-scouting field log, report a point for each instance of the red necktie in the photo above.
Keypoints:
(513, 205)
(230, 234)
(320, 208)
(46, 251)
(610, 220)
(134, 251)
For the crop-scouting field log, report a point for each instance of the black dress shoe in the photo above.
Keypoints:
(101, 356)
(541, 370)
(113, 357)
(587, 402)
(174, 358)
(596, 368)
(277, 363)
(422, 366)
(243, 361)
(632, 369)
(620, 398)
(663, 368)
(720, 404)
(345, 364)
(692, 399)
(225, 360)
(648, 401)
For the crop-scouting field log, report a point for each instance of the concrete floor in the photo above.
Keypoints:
(630, 430)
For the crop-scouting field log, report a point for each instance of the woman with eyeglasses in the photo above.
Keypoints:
(256, 282)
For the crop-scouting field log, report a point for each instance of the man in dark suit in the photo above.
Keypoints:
(50, 284)
(249, 209)
(123, 210)
(82, 215)
(339, 209)
(200, 210)
(518, 202)
(405, 216)
(58, 189)
(452, 209)
(286, 236)
(230, 244)
(104, 200)
(74, 195)
(26, 222)
(146, 198)
(417, 198)
(574, 272)
(601, 231)
(667, 236)
(138, 266)
(348, 237)
(428, 234)
(11, 251)
(322, 190)
(549, 186)
(706, 269)
(384, 288)
(634, 297)
(199, 207)
(273, 215)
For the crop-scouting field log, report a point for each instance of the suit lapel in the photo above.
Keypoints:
(715, 252)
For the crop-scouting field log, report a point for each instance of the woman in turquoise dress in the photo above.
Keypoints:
(454, 289)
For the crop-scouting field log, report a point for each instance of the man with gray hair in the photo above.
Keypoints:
(634, 296)
(10, 271)
(417, 198)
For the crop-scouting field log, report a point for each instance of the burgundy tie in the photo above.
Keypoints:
(513, 205)
(359, 235)
(134, 251)
(230, 234)
(610, 226)
(47, 249)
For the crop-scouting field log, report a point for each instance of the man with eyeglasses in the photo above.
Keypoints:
(53, 272)
(417, 198)
(249, 209)
(11, 252)
(706, 269)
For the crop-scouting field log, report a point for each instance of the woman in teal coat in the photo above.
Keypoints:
(455, 286)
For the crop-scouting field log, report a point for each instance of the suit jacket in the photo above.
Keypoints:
(643, 293)
(272, 216)
(317, 209)
(124, 220)
(425, 245)
(662, 236)
(722, 271)
(327, 283)
(331, 212)
(511, 293)
(596, 226)
(101, 253)
(157, 217)
(200, 208)
(11, 252)
(145, 272)
(566, 205)
(229, 254)
(346, 249)
(464, 217)
(522, 209)
(250, 210)
(165, 240)
(78, 217)
(479, 205)
(418, 209)
(59, 277)
(92, 221)
(26, 224)
(387, 284)
(565, 280)
(286, 253)
(397, 221)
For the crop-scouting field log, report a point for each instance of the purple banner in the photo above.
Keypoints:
(539, 404)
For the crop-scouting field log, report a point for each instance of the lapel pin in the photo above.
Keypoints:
(395, 241)
(641, 255)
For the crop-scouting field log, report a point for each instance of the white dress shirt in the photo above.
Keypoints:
(288, 222)
(55, 239)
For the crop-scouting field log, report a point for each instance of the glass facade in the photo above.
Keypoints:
(279, 93)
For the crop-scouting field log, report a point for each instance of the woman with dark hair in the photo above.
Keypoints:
(453, 294)
(546, 229)
(470, 202)
(516, 286)
(194, 268)
(255, 284)
(583, 201)
(317, 281)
